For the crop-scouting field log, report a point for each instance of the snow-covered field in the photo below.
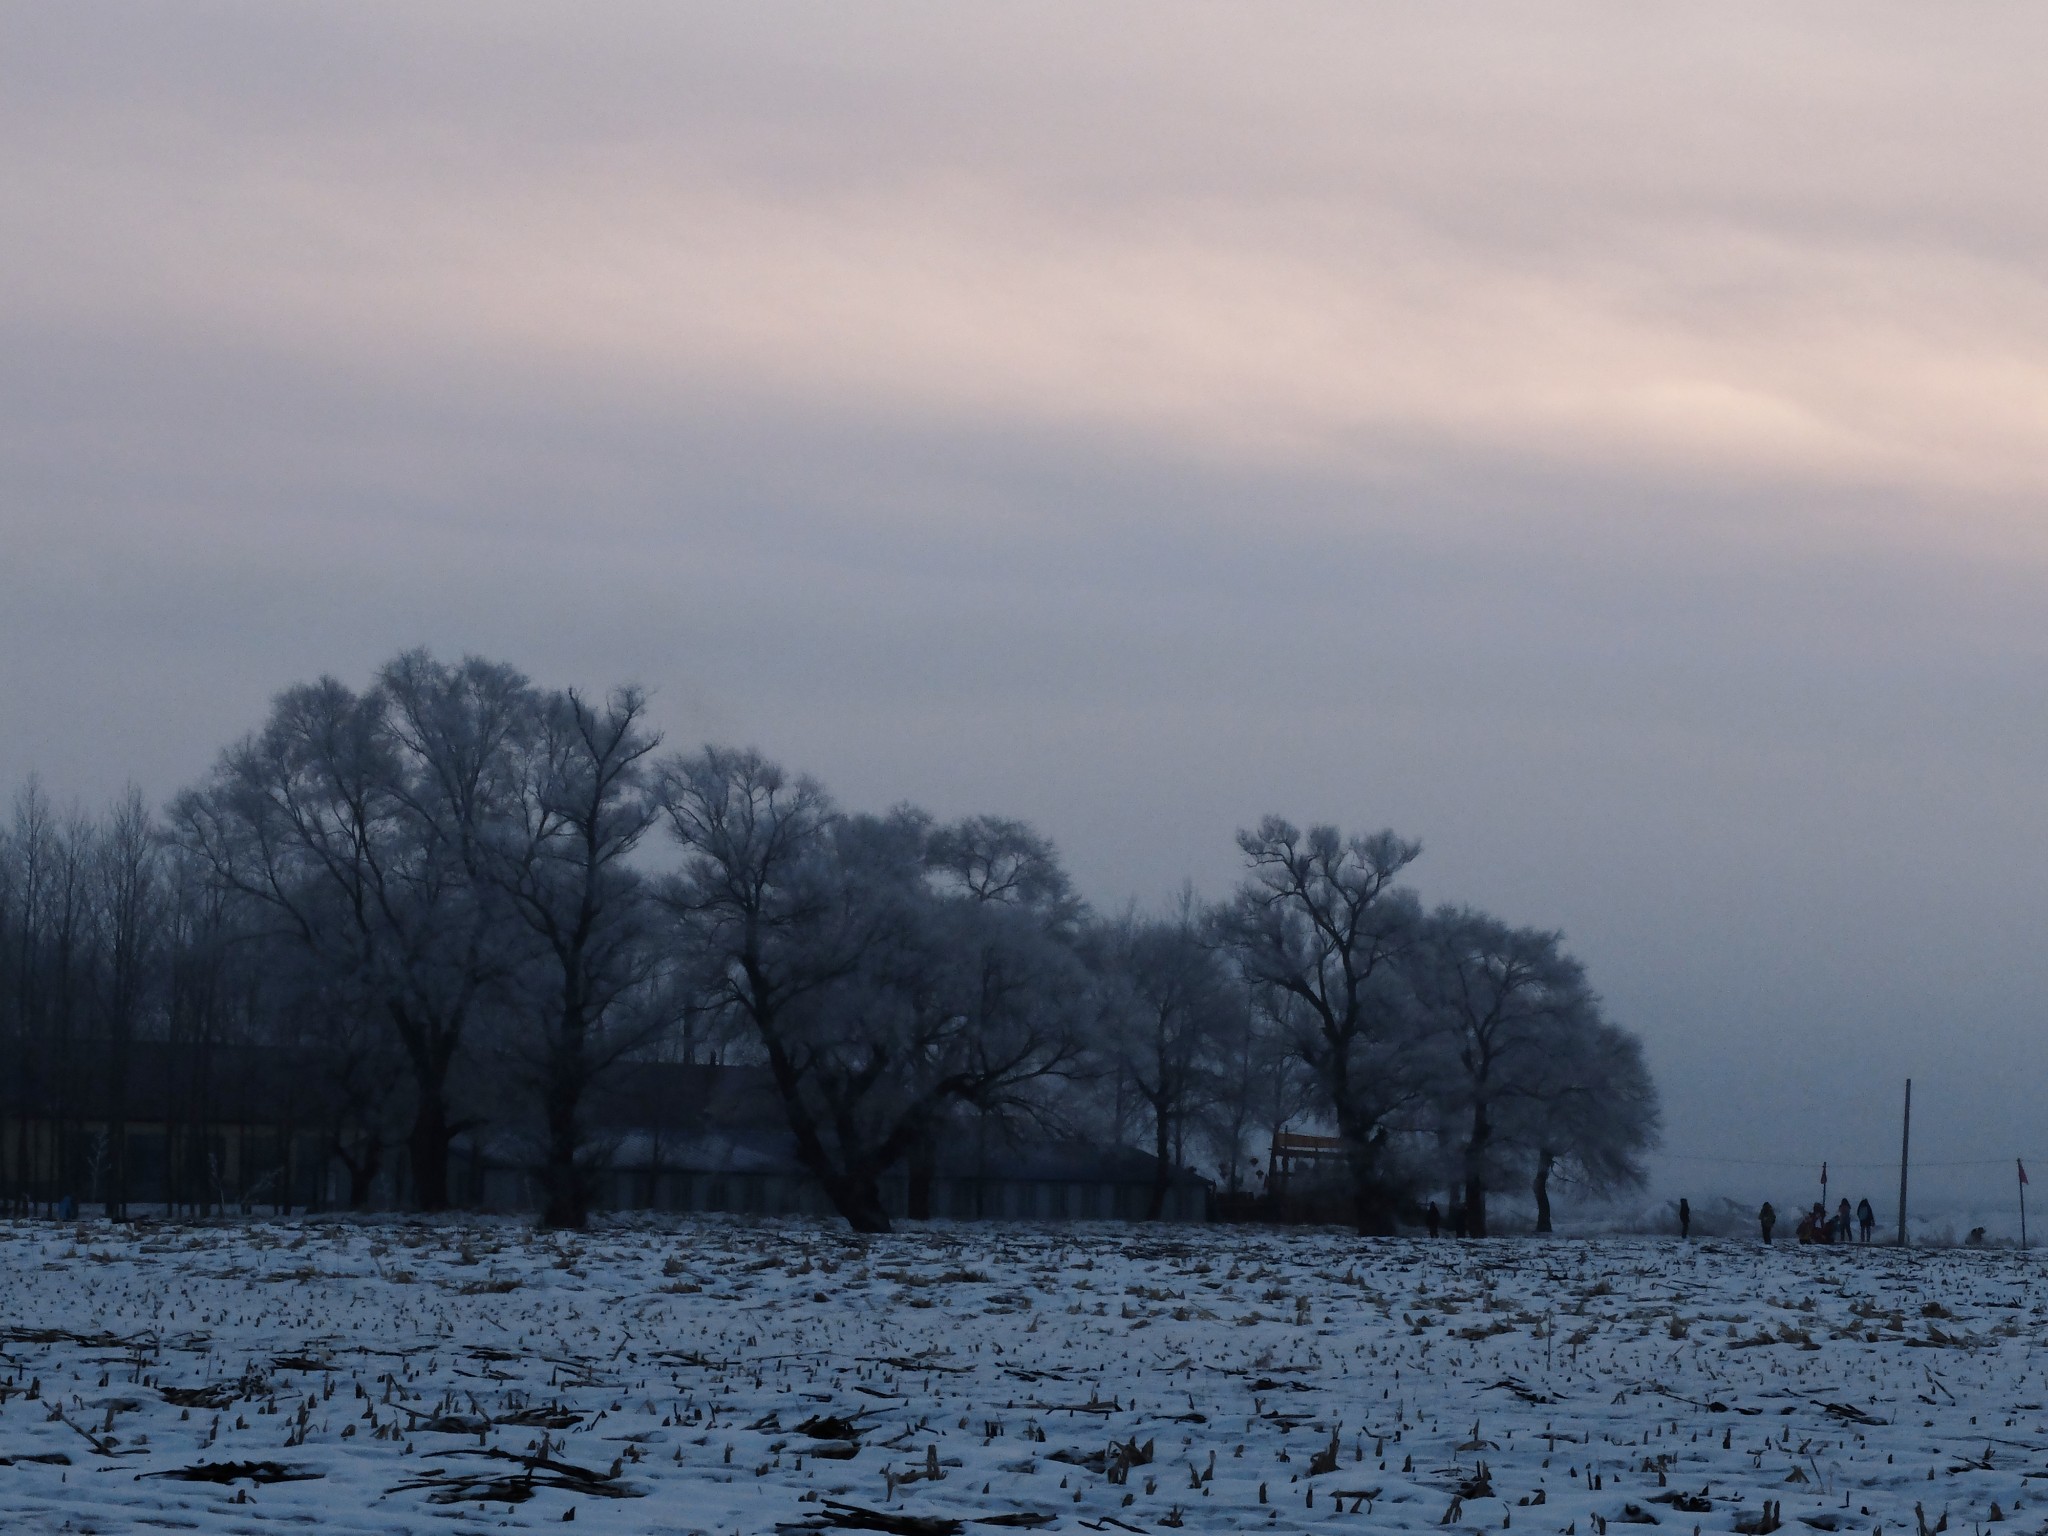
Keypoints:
(733, 1377)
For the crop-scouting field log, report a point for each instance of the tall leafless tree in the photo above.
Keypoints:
(1498, 1002)
(1170, 1009)
(1314, 927)
(879, 1001)
(1262, 1088)
(128, 890)
(360, 824)
(564, 864)
(1594, 1116)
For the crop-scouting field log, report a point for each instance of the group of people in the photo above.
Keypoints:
(1817, 1226)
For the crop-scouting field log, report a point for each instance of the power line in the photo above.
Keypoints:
(1833, 1162)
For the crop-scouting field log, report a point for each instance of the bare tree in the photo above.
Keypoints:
(1171, 1010)
(34, 854)
(359, 824)
(762, 920)
(564, 865)
(53, 951)
(961, 1009)
(1261, 1088)
(1314, 927)
(998, 859)
(1002, 863)
(1594, 1113)
(128, 892)
(879, 1002)
(199, 979)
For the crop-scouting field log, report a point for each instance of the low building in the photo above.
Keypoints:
(226, 1129)
(714, 1138)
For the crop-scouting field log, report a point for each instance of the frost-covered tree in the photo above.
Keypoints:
(1315, 927)
(1593, 1116)
(884, 992)
(1172, 1011)
(1497, 1003)
(1001, 860)
(1262, 1089)
(359, 826)
(126, 881)
(563, 861)
(50, 956)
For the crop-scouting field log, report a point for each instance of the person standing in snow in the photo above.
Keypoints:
(1767, 1219)
(1842, 1220)
(1434, 1217)
(1866, 1218)
(1684, 1218)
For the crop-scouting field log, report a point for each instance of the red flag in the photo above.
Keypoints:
(2023, 1170)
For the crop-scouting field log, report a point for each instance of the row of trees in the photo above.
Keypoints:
(454, 889)
(82, 952)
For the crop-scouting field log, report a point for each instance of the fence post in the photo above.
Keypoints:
(1905, 1146)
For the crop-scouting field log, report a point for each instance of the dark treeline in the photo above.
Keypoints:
(459, 900)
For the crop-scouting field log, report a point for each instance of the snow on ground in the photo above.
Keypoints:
(725, 1376)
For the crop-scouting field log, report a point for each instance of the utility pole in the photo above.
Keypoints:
(1905, 1146)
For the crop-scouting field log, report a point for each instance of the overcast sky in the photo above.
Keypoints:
(1605, 443)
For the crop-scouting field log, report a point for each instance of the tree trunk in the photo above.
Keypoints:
(855, 1188)
(1544, 1160)
(922, 1169)
(857, 1196)
(428, 1143)
(1372, 1209)
(20, 1202)
(117, 1128)
(360, 1180)
(362, 1174)
(567, 1202)
(1161, 1172)
(429, 1048)
(1475, 1170)
(1372, 1206)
